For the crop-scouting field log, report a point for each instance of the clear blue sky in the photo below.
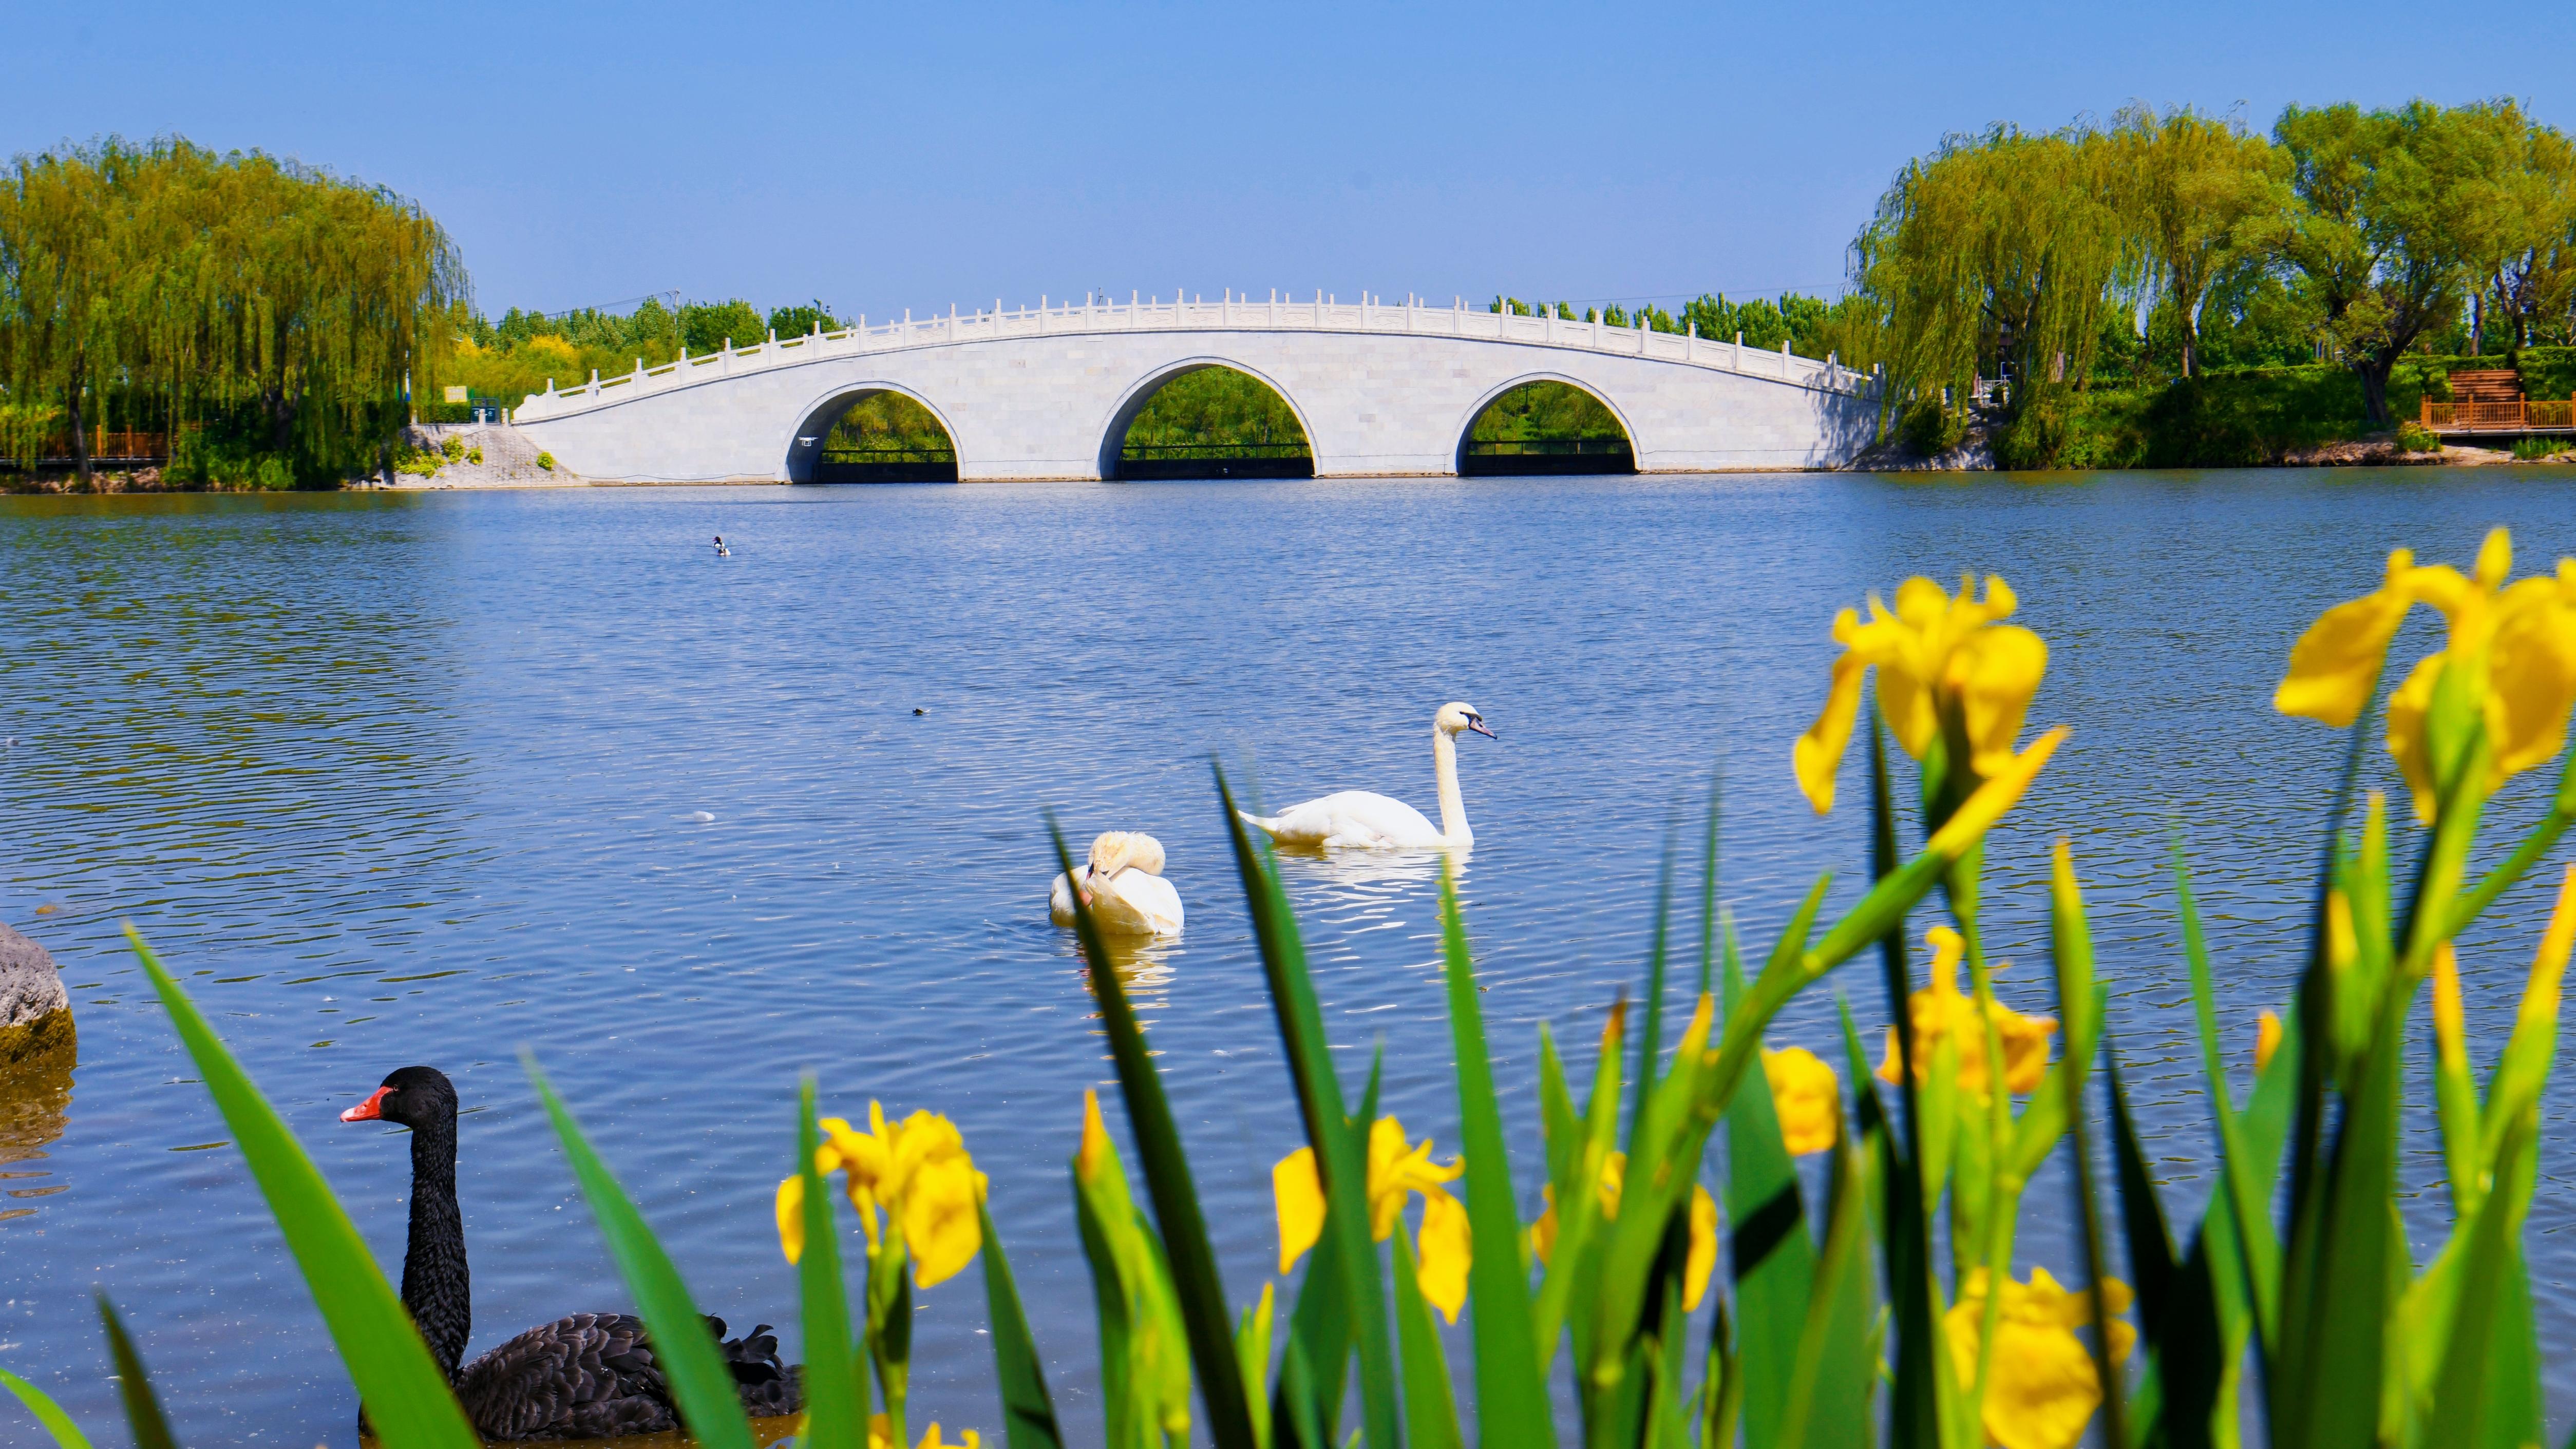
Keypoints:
(890, 157)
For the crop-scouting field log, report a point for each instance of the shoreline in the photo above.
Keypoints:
(2338, 456)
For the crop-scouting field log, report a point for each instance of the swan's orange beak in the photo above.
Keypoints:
(1476, 722)
(370, 1110)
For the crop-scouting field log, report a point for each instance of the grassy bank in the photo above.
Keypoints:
(2256, 416)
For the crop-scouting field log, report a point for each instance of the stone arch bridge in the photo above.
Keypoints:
(1048, 392)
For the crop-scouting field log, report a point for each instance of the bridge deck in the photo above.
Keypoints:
(1229, 314)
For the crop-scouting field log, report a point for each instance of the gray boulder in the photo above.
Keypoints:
(34, 1009)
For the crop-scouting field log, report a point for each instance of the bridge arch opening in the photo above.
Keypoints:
(873, 434)
(1544, 425)
(1206, 419)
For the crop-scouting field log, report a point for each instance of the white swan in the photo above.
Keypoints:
(1362, 818)
(1124, 886)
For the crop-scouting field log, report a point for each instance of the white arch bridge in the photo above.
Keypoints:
(1048, 392)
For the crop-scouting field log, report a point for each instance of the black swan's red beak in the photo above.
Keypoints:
(370, 1110)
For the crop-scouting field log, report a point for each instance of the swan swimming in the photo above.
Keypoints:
(1124, 886)
(1365, 819)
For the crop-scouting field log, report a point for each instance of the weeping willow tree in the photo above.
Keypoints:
(257, 310)
(2000, 256)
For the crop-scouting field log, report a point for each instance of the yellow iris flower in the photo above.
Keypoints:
(917, 1171)
(2044, 1386)
(1807, 1096)
(881, 1436)
(1941, 1009)
(1697, 1266)
(1935, 652)
(1395, 1172)
(2516, 641)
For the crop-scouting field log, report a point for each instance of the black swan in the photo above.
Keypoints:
(587, 1376)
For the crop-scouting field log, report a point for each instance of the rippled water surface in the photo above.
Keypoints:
(428, 778)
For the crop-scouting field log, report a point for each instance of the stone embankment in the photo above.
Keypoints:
(509, 458)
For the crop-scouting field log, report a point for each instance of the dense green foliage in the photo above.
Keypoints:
(890, 422)
(1544, 411)
(525, 351)
(267, 314)
(1811, 326)
(1215, 407)
(2166, 246)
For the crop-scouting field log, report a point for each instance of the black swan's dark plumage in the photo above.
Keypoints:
(587, 1376)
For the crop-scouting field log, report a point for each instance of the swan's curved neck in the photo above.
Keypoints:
(436, 1288)
(1453, 806)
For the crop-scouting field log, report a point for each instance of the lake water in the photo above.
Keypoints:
(428, 778)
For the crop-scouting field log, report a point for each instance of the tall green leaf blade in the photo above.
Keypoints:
(2152, 1269)
(67, 1435)
(143, 1416)
(1430, 1406)
(1028, 1411)
(1511, 1386)
(405, 1395)
(1195, 1281)
(1650, 1037)
(701, 1385)
(2334, 1353)
(1772, 1252)
(1830, 1404)
(2246, 1180)
(1913, 1169)
(836, 1375)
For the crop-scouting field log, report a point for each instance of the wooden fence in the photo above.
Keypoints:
(2519, 416)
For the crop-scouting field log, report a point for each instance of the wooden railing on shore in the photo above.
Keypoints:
(105, 446)
(2518, 416)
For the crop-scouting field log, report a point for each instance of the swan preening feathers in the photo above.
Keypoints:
(1366, 819)
(585, 1376)
(1122, 882)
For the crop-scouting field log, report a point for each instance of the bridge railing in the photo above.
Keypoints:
(1229, 313)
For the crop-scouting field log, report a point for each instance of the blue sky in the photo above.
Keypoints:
(890, 157)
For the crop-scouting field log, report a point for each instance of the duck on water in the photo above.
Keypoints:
(584, 1376)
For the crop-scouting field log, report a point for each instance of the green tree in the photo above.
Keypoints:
(2209, 199)
(2522, 229)
(2002, 251)
(276, 308)
(799, 320)
(710, 326)
(2388, 227)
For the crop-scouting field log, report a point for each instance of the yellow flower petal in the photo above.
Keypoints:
(1805, 1094)
(2407, 706)
(2044, 1385)
(2531, 671)
(1702, 1262)
(1447, 1251)
(1994, 674)
(1819, 752)
(1542, 1234)
(1095, 1139)
(1298, 1191)
(791, 1217)
(2335, 663)
(2450, 1022)
(941, 1226)
(2267, 1040)
(2001, 791)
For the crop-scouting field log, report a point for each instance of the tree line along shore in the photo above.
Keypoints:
(2169, 289)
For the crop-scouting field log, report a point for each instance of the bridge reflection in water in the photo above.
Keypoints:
(1526, 457)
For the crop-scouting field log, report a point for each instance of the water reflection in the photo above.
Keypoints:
(35, 1106)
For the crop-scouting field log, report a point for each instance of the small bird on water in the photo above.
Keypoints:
(721, 550)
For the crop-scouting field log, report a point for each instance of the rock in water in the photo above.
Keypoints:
(35, 1012)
